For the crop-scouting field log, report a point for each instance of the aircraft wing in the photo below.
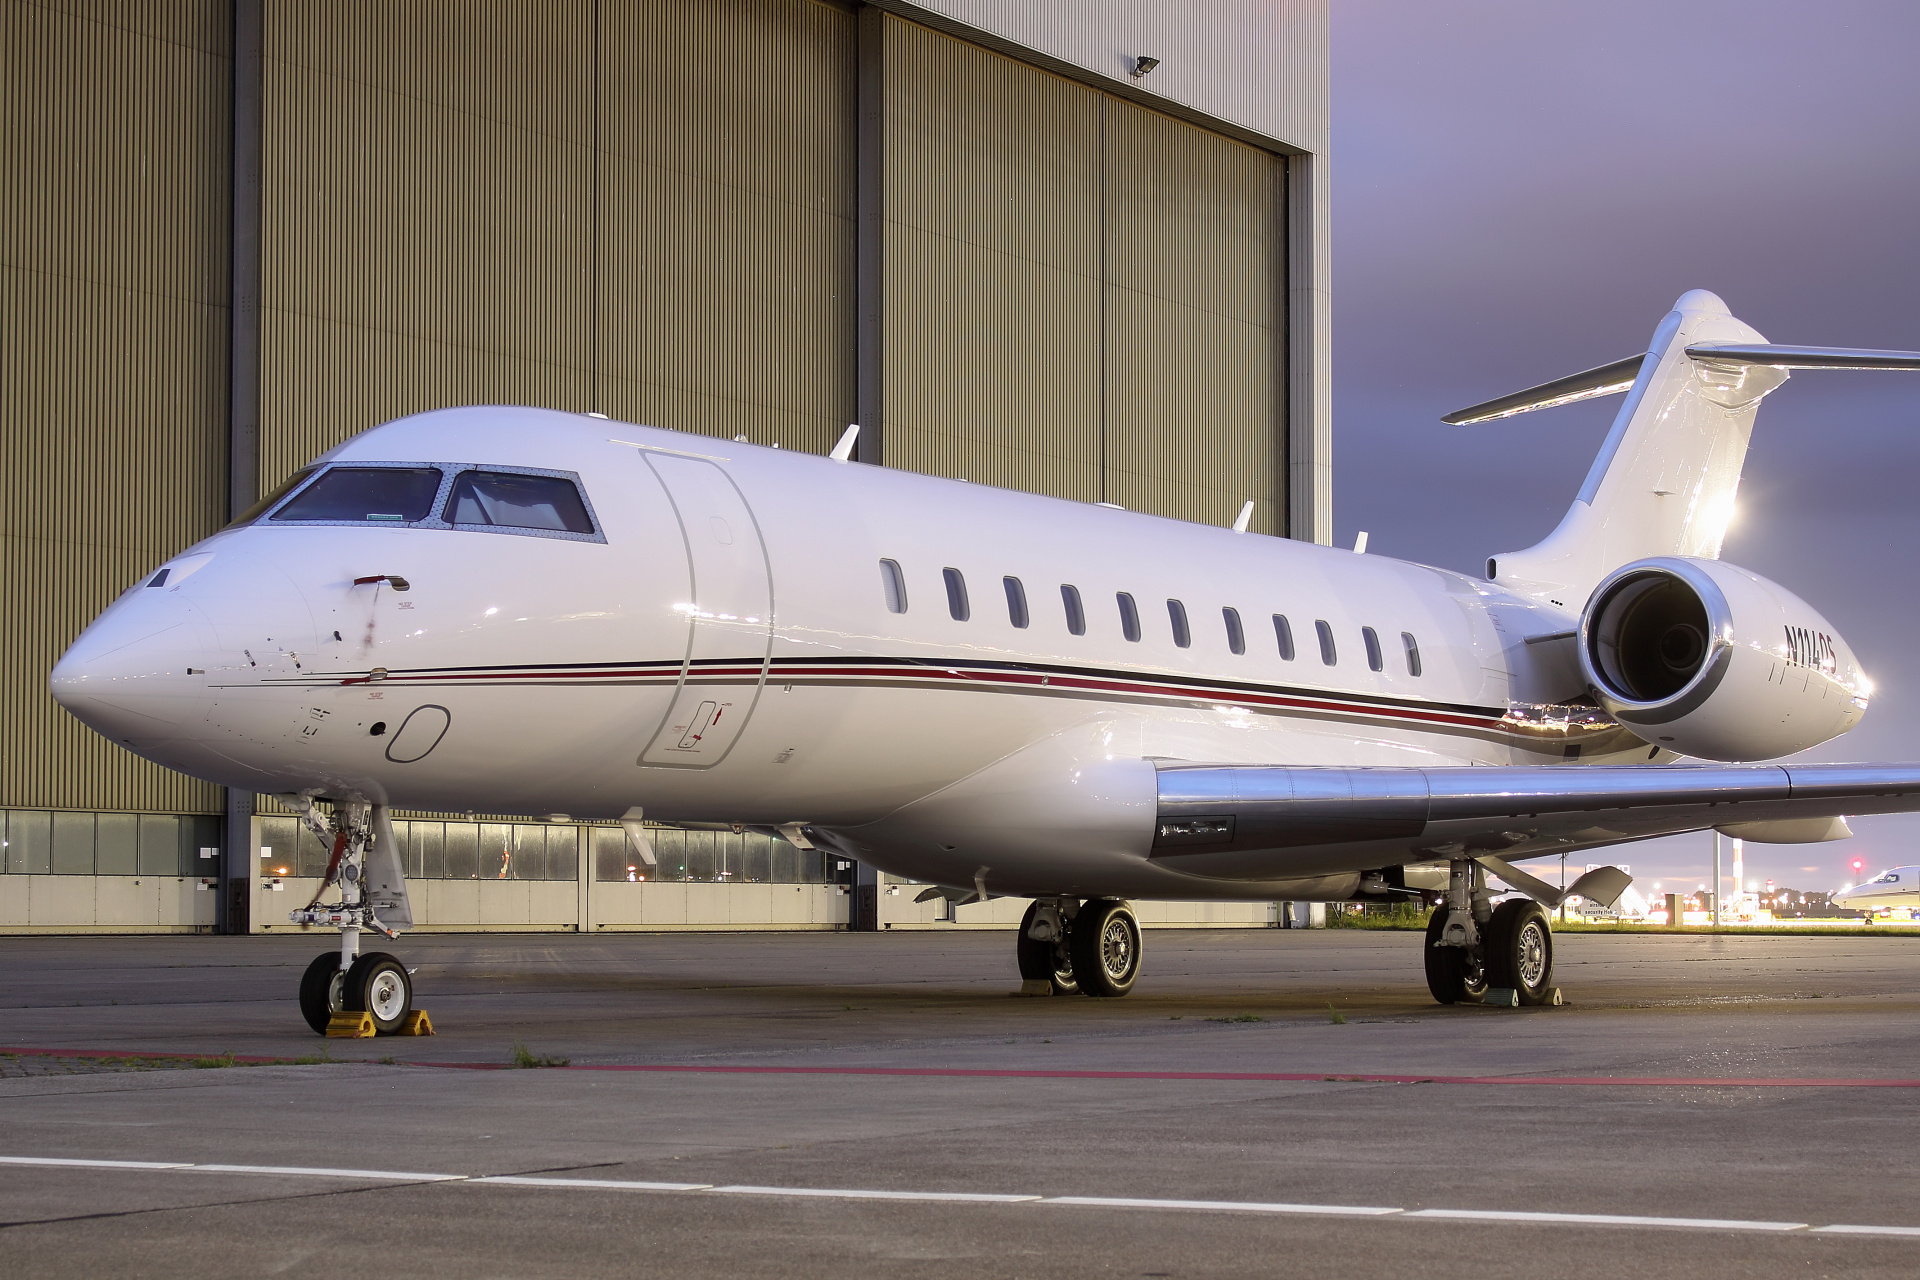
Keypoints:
(1260, 821)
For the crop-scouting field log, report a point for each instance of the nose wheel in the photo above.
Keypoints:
(344, 981)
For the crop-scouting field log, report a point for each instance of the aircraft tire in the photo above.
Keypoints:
(1105, 941)
(1520, 950)
(321, 990)
(1452, 975)
(1044, 961)
(378, 984)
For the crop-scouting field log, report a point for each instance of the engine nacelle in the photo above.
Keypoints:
(1713, 661)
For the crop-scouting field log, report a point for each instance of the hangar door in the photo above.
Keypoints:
(1082, 296)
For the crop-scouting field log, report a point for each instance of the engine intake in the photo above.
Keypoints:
(1716, 662)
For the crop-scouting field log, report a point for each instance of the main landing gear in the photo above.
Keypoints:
(1473, 946)
(344, 981)
(1091, 947)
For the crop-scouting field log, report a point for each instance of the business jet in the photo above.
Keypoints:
(1899, 887)
(525, 611)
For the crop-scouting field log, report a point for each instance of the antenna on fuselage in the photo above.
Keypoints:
(843, 451)
(1246, 514)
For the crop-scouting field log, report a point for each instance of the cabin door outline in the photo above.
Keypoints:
(729, 616)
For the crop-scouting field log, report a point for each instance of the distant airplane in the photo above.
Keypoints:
(1899, 887)
(515, 610)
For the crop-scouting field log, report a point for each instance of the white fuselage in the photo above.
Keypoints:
(723, 650)
(1896, 887)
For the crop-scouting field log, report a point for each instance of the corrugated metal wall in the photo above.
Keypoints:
(113, 252)
(1082, 297)
(639, 207)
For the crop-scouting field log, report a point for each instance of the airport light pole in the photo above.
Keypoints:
(1718, 885)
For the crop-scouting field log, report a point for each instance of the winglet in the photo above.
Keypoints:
(843, 450)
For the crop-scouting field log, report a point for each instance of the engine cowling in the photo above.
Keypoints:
(1710, 660)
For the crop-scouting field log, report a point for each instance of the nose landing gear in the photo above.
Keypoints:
(1091, 947)
(366, 867)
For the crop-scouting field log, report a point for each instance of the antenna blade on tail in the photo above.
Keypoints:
(1605, 381)
(1780, 356)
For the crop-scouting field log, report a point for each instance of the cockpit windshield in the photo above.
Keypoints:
(510, 500)
(388, 495)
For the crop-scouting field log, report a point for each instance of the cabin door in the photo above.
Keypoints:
(729, 617)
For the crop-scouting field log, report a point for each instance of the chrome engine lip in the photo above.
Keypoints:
(1713, 667)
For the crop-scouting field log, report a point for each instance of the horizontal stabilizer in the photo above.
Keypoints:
(1607, 380)
(1780, 356)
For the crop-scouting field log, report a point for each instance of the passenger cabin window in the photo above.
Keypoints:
(1016, 602)
(1283, 634)
(1413, 652)
(893, 585)
(1076, 613)
(1376, 661)
(957, 595)
(385, 495)
(1177, 615)
(1129, 616)
(508, 500)
(1328, 654)
(1236, 634)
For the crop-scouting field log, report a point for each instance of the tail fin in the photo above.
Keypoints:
(1664, 481)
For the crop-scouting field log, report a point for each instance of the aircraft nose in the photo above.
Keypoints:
(138, 674)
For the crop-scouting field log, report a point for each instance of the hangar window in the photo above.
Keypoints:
(386, 495)
(1283, 634)
(1236, 634)
(508, 500)
(1076, 613)
(957, 595)
(1129, 616)
(1413, 652)
(1016, 601)
(1177, 615)
(893, 584)
(1328, 654)
(1376, 661)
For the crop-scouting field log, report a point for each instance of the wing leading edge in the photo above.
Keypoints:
(1267, 821)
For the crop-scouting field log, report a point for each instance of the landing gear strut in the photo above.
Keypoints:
(1473, 945)
(345, 981)
(1091, 947)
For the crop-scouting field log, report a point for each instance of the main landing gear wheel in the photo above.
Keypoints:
(1105, 940)
(378, 983)
(322, 990)
(1519, 946)
(1050, 961)
(1453, 974)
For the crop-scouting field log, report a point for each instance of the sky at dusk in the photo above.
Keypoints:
(1521, 190)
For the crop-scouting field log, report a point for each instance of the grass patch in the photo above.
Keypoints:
(1245, 1017)
(1334, 1016)
(521, 1056)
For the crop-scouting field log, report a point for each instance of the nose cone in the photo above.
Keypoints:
(138, 674)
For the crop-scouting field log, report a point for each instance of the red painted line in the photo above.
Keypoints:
(987, 1073)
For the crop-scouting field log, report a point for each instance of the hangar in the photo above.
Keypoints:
(1078, 249)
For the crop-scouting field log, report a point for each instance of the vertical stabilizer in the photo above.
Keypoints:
(1664, 481)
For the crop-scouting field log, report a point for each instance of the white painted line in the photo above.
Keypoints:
(960, 1197)
(382, 1175)
(603, 1184)
(969, 1197)
(1605, 1219)
(49, 1163)
(1235, 1206)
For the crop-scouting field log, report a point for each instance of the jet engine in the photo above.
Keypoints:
(1710, 660)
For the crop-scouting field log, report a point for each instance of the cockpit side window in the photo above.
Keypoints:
(266, 504)
(503, 499)
(376, 495)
